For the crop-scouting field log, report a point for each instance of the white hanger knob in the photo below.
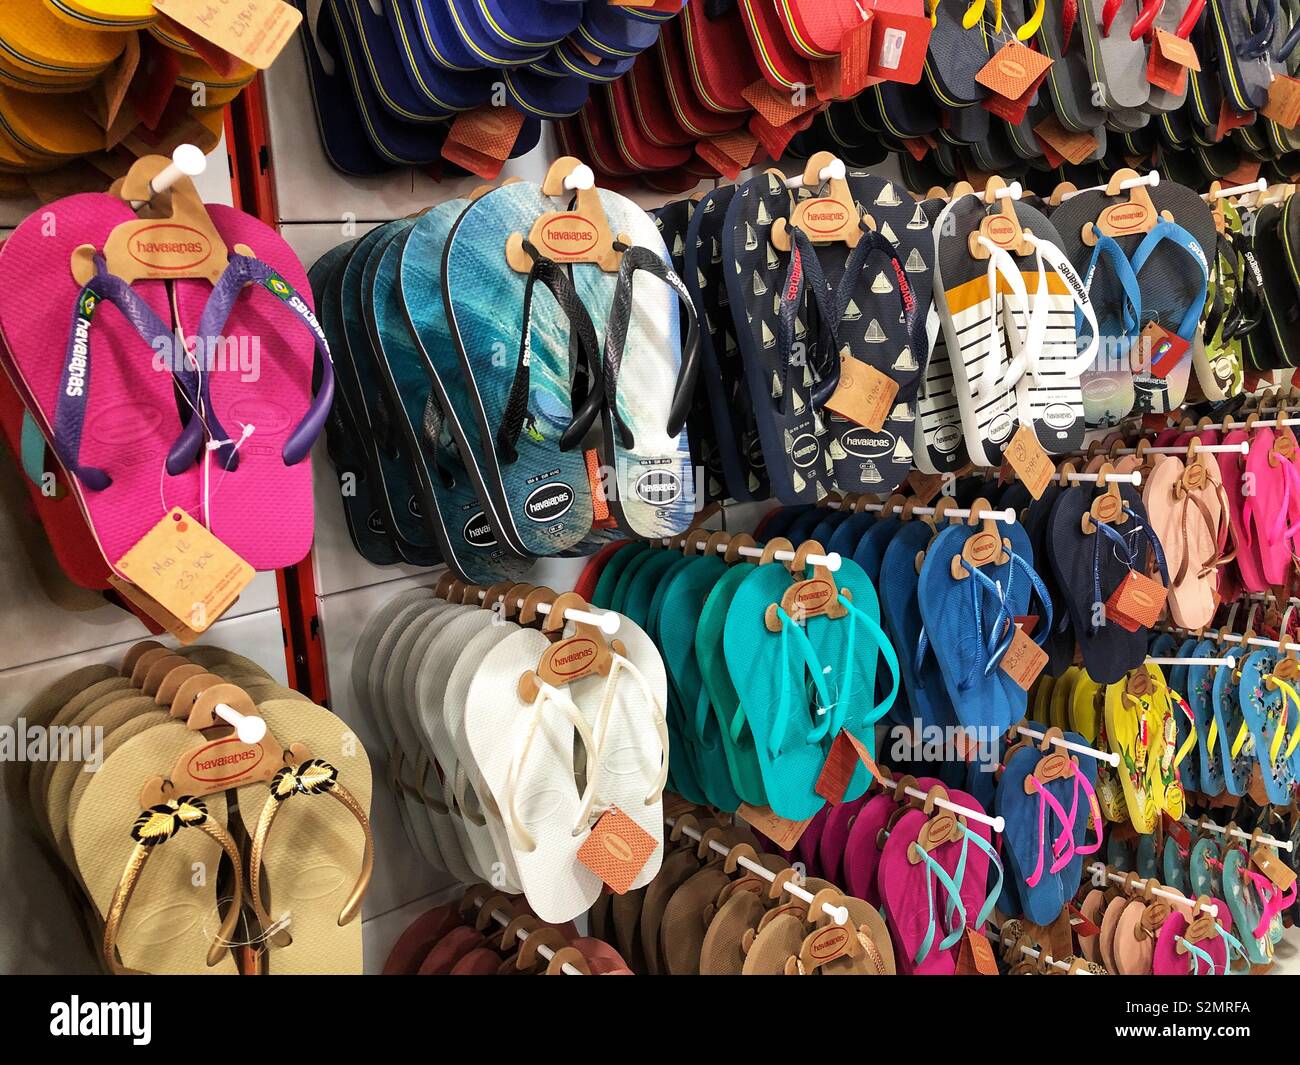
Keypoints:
(250, 729)
(581, 179)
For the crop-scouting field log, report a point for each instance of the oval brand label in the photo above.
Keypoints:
(375, 524)
(619, 848)
(168, 246)
(570, 657)
(1052, 767)
(864, 444)
(550, 501)
(569, 235)
(824, 216)
(982, 548)
(1106, 508)
(1100, 389)
(1058, 415)
(262, 414)
(125, 423)
(828, 943)
(1123, 217)
(804, 450)
(659, 488)
(478, 531)
(940, 828)
(1009, 68)
(1001, 230)
(1000, 428)
(812, 596)
(223, 760)
(946, 438)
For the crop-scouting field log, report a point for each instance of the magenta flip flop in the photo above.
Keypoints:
(1208, 957)
(862, 849)
(1232, 468)
(807, 848)
(1274, 509)
(91, 381)
(835, 838)
(259, 495)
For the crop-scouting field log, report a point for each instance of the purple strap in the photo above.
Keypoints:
(74, 385)
(242, 271)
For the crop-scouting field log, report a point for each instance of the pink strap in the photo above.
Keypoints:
(1275, 900)
(1046, 799)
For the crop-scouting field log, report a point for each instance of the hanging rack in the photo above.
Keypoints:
(834, 170)
(1258, 185)
(1238, 833)
(1174, 660)
(607, 620)
(1109, 757)
(1103, 874)
(1152, 178)
(505, 919)
(996, 823)
(1134, 478)
(140, 660)
(1242, 448)
(1230, 637)
(838, 914)
(1007, 516)
(830, 560)
(1034, 953)
(188, 160)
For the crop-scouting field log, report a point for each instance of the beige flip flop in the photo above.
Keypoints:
(767, 951)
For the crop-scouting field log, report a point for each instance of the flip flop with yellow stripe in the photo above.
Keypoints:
(106, 14)
(34, 39)
(49, 126)
(218, 88)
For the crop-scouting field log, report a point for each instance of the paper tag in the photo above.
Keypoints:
(1230, 119)
(1177, 831)
(186, 570)
(855, 59)
(729, 153)
(976, 957)
(1027, 457)
(837, 770)
(617, 850)
(1080, 925)
(1013, 70)
(1137, 603)
(775, 106)
(255, 31)
(1283, 105)
(1177, 49)
(1071, 145)
(780, 830)
(1265, 859)
(864, 396)
(1024, 660)
(481, 140)
(1160, 350)
(925, 486)
(1165, 74)
(900, 36)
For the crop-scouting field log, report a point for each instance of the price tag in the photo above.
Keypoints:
(1283, 105)
(617, 850)
(864, 396)
(255, 31)
(481, 140)
(1071, 145)
(1137, 603)
(1026, 456)
(1024, 660)
(1160, 349)
(780, 830)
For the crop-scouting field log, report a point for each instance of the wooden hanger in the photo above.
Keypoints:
(570, 658)
(826, 219)
(807, 597)
(1000, 227)
(577, 235)
(1132, 217)
(987, 547)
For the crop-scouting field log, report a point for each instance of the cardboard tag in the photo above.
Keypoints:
(1160, 350)
(976, 957)
(899, 37)
(480, 140)
(1177, 831)
(1024, 660)
(1081, 926)
(617, 850)
(1026, 456)
(781, 831)
(838, 769)
(1137, 603)
(729, 153)
(1165, 74)
(255, 31)
(186, 570)
(1230, 119)
(1265, 859)
(1283, 105)
(864, 396)
(1071, 145)
(1177, 50)
(775, 106)
(925, 486)
(1243, 174)
(1013, 74)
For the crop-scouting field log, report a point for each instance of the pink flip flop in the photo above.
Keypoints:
(835, 838)
(1232, 469)
(83, 359)
(259, 500)
(861, 862)
(1209, 957)
(413, 945)
(1274, 509)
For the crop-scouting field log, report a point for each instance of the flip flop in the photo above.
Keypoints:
(1244, 35)
(1269, 706)
(1131, 729)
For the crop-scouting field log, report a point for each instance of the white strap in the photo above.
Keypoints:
(1025, 345)
(1001, 264)
(1079, 296)
(661, 723)
(520, 838)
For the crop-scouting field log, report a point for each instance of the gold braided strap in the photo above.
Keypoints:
(154, 827)
(311, 777)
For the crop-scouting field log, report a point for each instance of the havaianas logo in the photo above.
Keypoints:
(549, 502)
(169, 247)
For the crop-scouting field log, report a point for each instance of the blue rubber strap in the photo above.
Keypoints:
(1109, 249)
(1177, 235)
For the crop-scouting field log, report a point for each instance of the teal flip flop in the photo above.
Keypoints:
(603, 596)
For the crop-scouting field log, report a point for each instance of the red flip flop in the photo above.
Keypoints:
(420, 937)
(719, 58)
(816, 27)
(778, 61)
(633, 148)
(691, 113)
(650, 103)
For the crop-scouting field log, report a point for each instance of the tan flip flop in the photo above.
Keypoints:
(40, 710)
(1134, 944)
(767, 951)
(1091, 908)
(685, 920)
(677, 868)
(1109, 926)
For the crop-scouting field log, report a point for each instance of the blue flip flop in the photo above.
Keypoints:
(545, 97)
(444, 87)
(1236, 744)
(1269, 708)
(1200, 699)
(374, 41)
(612, 31)
(1027, 843)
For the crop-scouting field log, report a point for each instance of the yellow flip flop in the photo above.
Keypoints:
(1087, 719)
(1042, 709)
(105, 14)
(35, 39)
(1062, 694)
(173, 41)
(1132, 722)
(50, 126)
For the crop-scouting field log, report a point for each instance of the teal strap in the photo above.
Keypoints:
(1235, 948)
(702, 708)
(886, 649)
(33, 450)
(991, 899)
(935, 871)
(809, 664)
(1198, 956)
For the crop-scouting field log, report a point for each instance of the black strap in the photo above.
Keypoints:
(552, 275)
(804, 274)
(431, 431)
(640, 259)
